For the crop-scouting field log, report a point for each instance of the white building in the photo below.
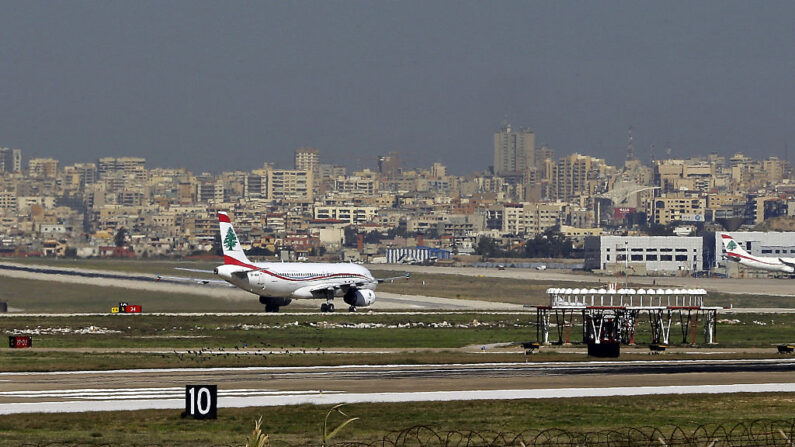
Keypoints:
(349, 214)
(644, 254)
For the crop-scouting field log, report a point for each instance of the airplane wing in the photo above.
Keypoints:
(787, 263)
(321, 290)
(344, 284)
(193, 270)
(200, 281)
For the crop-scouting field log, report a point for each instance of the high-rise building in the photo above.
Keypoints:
(308, 159)
(80, 174)
(10, 160)
(43, 167)
(128, 166)
(210, 191)
(389, 165)
(328, 171)
(438, 170)
(286, 184)
(514, 151)
(542, 153)
(575, 175)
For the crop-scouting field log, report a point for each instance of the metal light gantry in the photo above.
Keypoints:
(611, 315)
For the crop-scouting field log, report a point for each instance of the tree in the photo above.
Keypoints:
(488, 248)
(230, 241)
(121, 237)
(351, 235)
(550, 244)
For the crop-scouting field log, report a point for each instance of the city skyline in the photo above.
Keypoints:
(372, 165)
(214, 87)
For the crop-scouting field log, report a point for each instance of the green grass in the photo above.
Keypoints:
(442, 330)
(521, 291)
(301, 425)
(49, 296)
(483, 288)
(56, 346)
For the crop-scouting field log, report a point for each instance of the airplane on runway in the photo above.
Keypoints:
(411, 260)
(736, 253)
(278, 283)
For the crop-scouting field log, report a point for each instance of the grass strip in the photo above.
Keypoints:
(301, 425)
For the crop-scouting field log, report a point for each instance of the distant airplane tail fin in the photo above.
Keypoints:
(233, 252)
(732, 247)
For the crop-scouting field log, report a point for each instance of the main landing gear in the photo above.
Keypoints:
(272, 305)
(327, 307)
(271, 308)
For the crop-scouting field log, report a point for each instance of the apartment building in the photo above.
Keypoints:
(531, 218)
(286, 184)
(677, 208)
(43, 168)
(514, 150)
(574, 176)
(348, 214)
(10, 160)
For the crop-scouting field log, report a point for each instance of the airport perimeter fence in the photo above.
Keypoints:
(743, 434)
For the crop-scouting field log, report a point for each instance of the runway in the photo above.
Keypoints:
(385, 300)
(81, 391)
(745, 286)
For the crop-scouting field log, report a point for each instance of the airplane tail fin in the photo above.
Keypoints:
(732, 246)
(233, 252)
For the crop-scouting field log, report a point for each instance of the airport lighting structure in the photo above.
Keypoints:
(611, 315)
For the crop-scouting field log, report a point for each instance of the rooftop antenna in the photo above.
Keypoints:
(630, 147)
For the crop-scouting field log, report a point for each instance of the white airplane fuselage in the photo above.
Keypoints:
(294, 279)
(764, 263)
(736, 253)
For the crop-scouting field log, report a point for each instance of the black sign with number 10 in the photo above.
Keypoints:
(201, 401)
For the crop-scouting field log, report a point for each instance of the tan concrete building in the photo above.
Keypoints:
(127, 166)
(349, 214)
(532, 217)
(43, 167)
(286, 184)
(574, 176)
(10, 160)
(667, 209)
(308, 159)
(514, 151)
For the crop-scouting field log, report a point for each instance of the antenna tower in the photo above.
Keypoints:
(630, 147)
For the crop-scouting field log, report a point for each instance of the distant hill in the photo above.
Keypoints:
(777, 224)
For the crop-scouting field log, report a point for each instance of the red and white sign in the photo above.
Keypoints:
(20, 341)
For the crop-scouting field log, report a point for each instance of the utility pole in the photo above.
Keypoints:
(626, 264)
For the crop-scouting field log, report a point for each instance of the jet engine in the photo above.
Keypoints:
(269, 301)
(359, 297)
(228, 271)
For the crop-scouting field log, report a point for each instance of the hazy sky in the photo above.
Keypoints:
(228, 85)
